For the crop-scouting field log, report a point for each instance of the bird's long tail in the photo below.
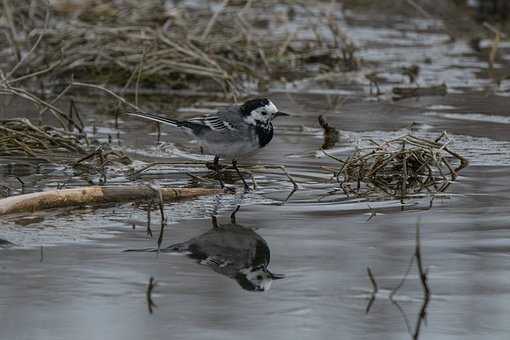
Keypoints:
(190, 127)
(174, 248)
(150, 250)
(156, 118)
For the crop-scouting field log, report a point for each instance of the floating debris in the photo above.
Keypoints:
(412, 72)
(401, 167)
(331, 134)
(408, 92)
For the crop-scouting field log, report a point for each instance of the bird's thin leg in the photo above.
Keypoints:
(233, 215)
(234, 164)
(217, 168)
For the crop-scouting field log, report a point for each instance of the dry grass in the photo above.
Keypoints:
(20, 136)
(400, 168)
(235, 46)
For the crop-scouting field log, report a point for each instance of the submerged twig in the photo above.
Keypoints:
(375, 289)
(163, 219)
(150, 287)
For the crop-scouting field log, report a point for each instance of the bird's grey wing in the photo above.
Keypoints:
(225, 120)
(216, 260)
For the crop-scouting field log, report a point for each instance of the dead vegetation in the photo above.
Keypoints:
(20, 136)
(409, 92)
(232, 46)
(400, 168)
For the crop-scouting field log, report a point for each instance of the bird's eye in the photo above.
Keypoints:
(264, 113)
(259, 277)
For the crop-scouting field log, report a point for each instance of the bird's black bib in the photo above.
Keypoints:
(264, 133)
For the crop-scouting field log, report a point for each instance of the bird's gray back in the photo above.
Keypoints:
(227, 133)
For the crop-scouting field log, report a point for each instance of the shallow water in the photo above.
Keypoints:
(68, 277)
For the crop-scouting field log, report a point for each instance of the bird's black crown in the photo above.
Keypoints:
(253, 104)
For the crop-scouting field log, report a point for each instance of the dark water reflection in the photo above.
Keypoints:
(232, 250)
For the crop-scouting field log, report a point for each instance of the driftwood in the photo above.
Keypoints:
(95, 195)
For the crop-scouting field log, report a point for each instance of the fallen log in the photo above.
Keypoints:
(95, 195)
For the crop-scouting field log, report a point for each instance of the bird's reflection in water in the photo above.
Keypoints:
(231, 250)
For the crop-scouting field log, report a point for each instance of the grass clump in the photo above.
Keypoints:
(400, 168)
(233, 46)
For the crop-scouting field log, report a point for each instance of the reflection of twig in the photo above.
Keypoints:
(163, 219)
(295, 188)
(375, 289)
(404, 316)
(150, 287)
(372, 280)
(421, 317)
(288, 197)
(290, 178)
(423, 274)
(424, 283)
(149, 230)
(233, 215)
(373, 213)
(404, 277)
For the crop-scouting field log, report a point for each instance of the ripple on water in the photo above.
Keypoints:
(477, 117)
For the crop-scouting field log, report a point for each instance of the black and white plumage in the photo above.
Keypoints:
(231, 132)
(231, 250)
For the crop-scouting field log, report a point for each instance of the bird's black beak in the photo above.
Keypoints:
(280, 113)
(276, 276)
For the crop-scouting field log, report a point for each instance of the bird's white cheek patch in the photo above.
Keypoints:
(250, 119)
(257, 116)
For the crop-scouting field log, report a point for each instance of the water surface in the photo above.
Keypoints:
(68, 277)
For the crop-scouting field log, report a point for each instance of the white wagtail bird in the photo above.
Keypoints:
(231, 250)
(231, 132)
